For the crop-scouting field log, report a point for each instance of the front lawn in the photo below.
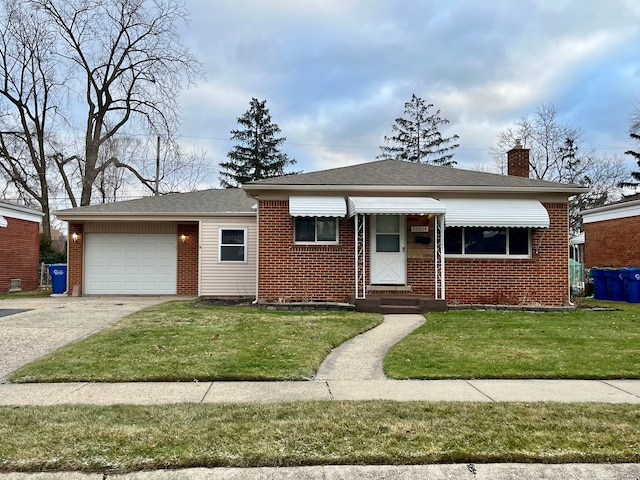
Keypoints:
(177, 341)
(585, 344)
(129, 437)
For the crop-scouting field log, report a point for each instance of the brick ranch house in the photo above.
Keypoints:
(19, 247)
(393, 228)
(345, 234)
(612, 234)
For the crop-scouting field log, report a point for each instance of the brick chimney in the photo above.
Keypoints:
(518, 161)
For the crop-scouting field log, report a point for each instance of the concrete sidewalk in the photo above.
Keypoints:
(41, 394)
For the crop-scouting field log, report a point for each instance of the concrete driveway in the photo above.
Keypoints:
(44, 324)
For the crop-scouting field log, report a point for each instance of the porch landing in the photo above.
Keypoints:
(388, 304)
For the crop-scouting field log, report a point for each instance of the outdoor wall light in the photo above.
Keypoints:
(74, 236)
(183, 238)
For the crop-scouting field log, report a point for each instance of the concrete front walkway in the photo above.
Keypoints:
(361, 357)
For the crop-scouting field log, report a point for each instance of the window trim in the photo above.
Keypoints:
(317, 242)
(518, 256)
(244, 244)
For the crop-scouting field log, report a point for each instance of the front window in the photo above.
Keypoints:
(487, 241)
(316, 229)
(233, 245)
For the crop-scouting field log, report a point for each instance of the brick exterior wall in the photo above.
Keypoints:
(75, 256)
(612, 243)
(288, 272)
(19, 253)
(542, 279)
(188, 260)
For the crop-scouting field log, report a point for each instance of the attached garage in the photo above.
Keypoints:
(164, 245)
(130, 264)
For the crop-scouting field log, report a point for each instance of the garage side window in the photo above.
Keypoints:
(232, 245)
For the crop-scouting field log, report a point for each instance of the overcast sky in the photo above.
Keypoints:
(336, 73)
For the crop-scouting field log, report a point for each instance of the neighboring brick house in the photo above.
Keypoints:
(398, 228)
(612, 234)
(198, 243)
(19, 247)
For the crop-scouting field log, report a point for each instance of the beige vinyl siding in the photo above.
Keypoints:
(130, 227)
(227, 279)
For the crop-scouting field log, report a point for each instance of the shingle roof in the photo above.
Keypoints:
(204, 202)
(405, 174)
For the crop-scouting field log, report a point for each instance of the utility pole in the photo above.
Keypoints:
(157, 165)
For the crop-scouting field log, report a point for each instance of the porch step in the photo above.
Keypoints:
(388, 304)
(389, 309)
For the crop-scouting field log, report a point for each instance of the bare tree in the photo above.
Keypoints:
(122, 59)
(132, 63)
(555, 154)
(27, 104)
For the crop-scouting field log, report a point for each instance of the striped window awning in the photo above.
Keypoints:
(317, 206)
(394, 206)
(484, 212)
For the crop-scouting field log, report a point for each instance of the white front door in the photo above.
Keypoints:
(388, 258)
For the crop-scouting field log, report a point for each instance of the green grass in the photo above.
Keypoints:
(583, 344)
(177, 341)
(126, 438)
(33, 293)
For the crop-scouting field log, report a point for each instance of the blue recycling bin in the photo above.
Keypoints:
(599, 284)
(58, 272)
(631, 278)
(615, 285)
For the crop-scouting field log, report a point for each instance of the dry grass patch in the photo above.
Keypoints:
(126, 438)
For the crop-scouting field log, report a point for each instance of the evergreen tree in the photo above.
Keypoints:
(634, 134)
(417, 137)
(257, 155)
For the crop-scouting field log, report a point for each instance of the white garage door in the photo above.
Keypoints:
(130, 264)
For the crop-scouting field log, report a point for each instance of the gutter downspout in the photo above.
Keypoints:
(255, 302)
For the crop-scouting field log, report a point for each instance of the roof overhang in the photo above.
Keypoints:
(254, 190)
(304, 206)
(489, 212)
(145, 216)
(9, 210)
(394, 206)
(3, 221)
(611, 212)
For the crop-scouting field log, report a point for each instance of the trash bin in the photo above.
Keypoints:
(58, 272)
(631, 278)
(615, 285)
(599, 284)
